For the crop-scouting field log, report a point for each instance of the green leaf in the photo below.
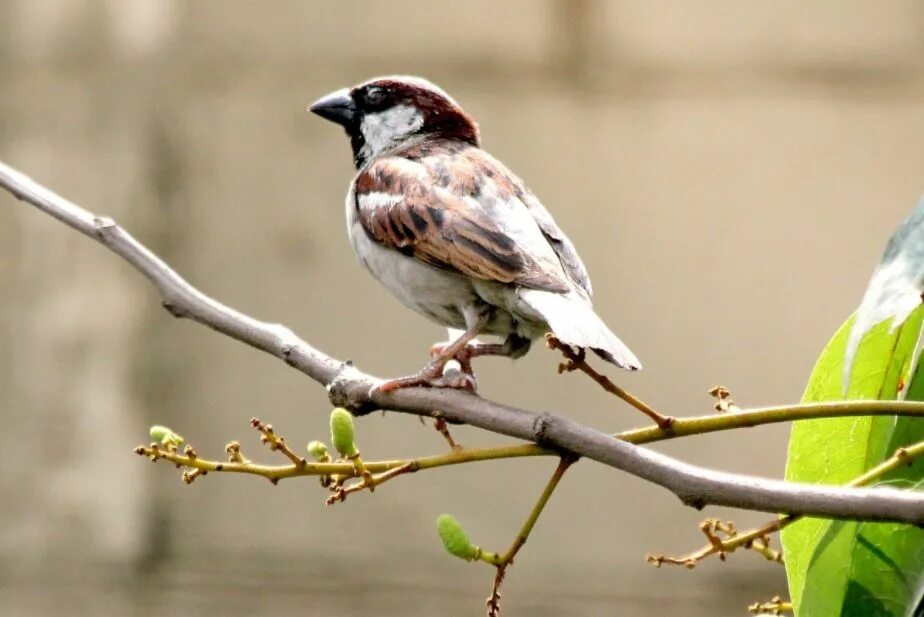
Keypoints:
(847, 568)
(895, 289)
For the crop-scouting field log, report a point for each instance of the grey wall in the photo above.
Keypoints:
(730, 172)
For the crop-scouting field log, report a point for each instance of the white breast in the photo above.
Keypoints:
(434, 293)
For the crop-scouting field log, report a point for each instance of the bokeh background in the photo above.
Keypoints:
(730, 172)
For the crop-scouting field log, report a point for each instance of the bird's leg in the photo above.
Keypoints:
(514, 346)
(431, 375)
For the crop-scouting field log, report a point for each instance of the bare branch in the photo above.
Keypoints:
(347, 386)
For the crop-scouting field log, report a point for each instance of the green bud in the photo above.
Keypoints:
(317, 450)
(454, 538)
(165, 436)
(342, 432)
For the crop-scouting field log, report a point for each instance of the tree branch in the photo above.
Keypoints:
(349, 387)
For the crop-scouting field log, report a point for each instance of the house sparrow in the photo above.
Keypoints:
(454, 235)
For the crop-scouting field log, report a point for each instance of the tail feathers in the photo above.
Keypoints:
(574, 322)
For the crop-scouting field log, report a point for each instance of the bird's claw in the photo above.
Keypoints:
(463, 356)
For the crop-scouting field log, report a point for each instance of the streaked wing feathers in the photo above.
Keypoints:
(401, 206)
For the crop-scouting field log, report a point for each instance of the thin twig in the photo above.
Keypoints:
(683, 427)
(530, 522)
(504, 561)
(369, 482)
(276, 442)
(443, 429)
(700, 425)
(576, 360)
(776, 606)
(351, 388)
(757, 540)
(493, 601)
(344, 469)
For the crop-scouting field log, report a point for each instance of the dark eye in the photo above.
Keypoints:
(375, 96)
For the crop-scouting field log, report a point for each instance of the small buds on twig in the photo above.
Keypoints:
(318, 452)
(343, 432)
(234, 453)
(191, 474)
(757, 540)
(723, 401)
(276, 442)
(165, 437)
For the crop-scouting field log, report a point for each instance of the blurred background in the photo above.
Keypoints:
(730, 175)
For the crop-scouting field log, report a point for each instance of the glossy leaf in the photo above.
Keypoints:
(846, 568)
(896, 286)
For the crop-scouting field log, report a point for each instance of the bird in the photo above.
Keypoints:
(455, 236)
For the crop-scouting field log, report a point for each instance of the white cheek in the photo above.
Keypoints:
(385, 129)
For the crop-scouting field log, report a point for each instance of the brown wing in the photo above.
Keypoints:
(510, 189)
(401, 205)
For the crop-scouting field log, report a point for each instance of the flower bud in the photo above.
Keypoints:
(165, 436)
(318, 450)
(454, 538)
(342, 432)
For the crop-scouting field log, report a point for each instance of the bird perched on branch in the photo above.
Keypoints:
(454, 235)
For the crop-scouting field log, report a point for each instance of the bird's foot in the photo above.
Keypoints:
(474, 350)
(432, 376)
(463, 356)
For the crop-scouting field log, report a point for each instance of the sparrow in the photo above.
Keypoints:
(455, 235)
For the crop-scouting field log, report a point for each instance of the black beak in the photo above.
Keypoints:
(337, 107)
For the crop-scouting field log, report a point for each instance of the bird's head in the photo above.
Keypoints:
(387, 112)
